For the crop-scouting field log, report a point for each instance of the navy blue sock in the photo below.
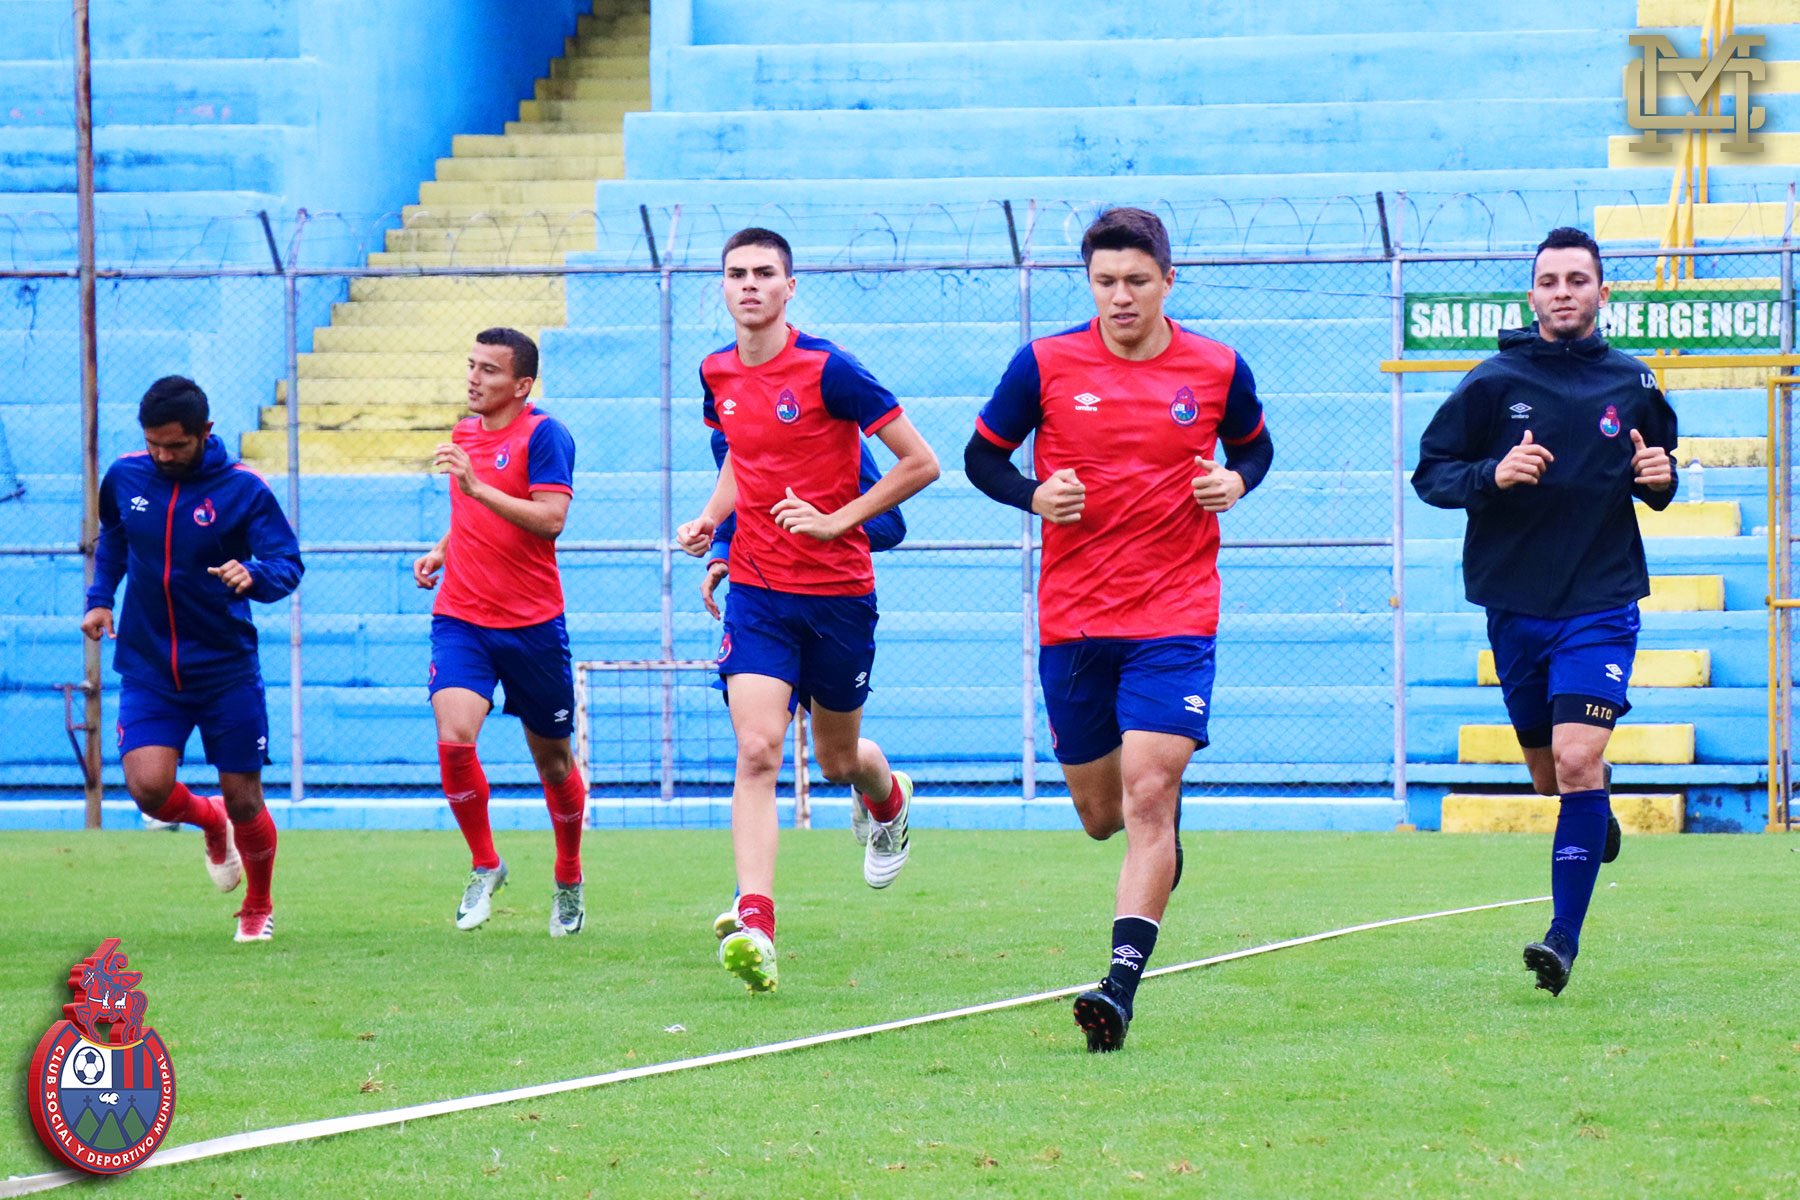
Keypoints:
(1133, 939)
(1575, 860)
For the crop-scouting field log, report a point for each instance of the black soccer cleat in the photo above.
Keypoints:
(1103, 1017)
(1613, 837)
(1552, 961)
(1176, 882)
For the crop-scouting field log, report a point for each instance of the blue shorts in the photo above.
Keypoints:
(1096, 688)
(233, 721)
(1539, 659)
(531, 663)
(823, 646)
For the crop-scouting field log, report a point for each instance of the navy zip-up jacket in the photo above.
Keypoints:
(183, 629)
(1569, 544)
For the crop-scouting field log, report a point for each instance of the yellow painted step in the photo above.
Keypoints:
(1685, 593)
(346, 417)
(446, 364)
(525, 168)
(1704, 518)
(463, 258)
(451, 393)
(1712, 222)
(1722, 283)
(1638, 814)
(539, 243)
(1652, 668)
(496, 216)
(404, 339)
(1689, 14)
(600, 24)
(1779, 149)
(344, 453)
(601, 115)
(1630, 744)
(445, 289)
(599, 70)
(555, 191)
(473, 313)
(1722, 451)
(605, 90)
(535, 145)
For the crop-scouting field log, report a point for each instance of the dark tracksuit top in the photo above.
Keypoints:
(184, 630)
(1569, 544)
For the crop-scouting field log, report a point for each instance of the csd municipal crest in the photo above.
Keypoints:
(102, 1102)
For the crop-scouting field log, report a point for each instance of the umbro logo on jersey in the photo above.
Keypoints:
(1520, 411)
(1087, 402)
(1195, 704)
(1614, 672)
(139, 504)
(727, 407)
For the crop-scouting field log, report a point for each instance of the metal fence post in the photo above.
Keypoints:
(1027, 609)
(90, 403)
(1397, 293)
(665, 335)
(296, 670)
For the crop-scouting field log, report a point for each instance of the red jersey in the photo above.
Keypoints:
(796, 421)
(1142, 562)
(497, 575)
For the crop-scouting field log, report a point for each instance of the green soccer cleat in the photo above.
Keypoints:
(750, 955)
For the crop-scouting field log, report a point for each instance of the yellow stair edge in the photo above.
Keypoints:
(1637, 814)
(1722, 451)
(1685, 593)
(1648, 222)
(1686, 14)
(1664, 744)
(1779, 149)
(1652, 668)
(1694, 518)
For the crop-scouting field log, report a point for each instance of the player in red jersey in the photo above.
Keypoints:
(1128, 410)
(800, 614)
(499, 617)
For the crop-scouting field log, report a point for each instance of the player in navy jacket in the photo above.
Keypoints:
(1546, 445)
(197, 537)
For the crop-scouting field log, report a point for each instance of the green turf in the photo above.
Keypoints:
(1410, 1061)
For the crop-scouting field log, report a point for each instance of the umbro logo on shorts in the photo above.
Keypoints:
(562, 714)
(1614, 672)
(1195, 704)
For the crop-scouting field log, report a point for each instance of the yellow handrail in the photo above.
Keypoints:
(1689, 188)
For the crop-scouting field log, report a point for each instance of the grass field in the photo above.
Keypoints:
(1409, 1061)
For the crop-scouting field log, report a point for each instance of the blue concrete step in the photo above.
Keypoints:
(1434, 569)
(1238, 139)
(233, 158)
(164, 92)
(1442, 648)
(134, 29)
(1730, 723)
(1206, 69)
(150, 228)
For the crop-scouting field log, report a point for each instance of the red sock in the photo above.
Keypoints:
(568, 806)
(757, 912)
(886, 810)
(466, 788)
(184, 808)
(256, 846)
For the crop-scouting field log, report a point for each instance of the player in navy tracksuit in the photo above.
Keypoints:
(1546, 444)
(198, 537)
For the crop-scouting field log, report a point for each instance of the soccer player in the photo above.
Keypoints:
(198, 537)
(499, 617)
(1128, 410)
(1546, 444)
(800, 615)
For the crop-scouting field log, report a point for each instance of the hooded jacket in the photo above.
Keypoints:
(183, 629)
(1568, 544)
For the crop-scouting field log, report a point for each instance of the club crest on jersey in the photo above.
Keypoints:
(102, 1101)
(205, 514)
(787, 409)
(503, 458)
(1609, 422)
(1183, 409)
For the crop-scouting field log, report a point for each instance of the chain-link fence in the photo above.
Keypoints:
(1347, 659)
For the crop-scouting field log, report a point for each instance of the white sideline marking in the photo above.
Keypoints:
(25, 1185)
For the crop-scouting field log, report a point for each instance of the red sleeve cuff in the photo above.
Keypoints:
(881, 422)
(535, 488)
(1248, 437)
(981, 427)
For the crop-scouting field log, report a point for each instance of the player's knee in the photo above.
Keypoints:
(1577, 768)
(1543, 781)
(836, 763)
(150, 794)
(760, 752)
(1100, 826)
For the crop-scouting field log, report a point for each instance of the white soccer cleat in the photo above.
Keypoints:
(861, 823)
(726, 923)
(750, 955)
(568, 910)
(254, 926)
(886, 850)
(478, 897)
(227, 870)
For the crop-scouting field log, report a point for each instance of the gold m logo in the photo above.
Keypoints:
(1732, 71)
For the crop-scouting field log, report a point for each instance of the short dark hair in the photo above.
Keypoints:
(758, 236)
(1128, 229)
(175, 398)
(1567, 237)
(524, 350)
